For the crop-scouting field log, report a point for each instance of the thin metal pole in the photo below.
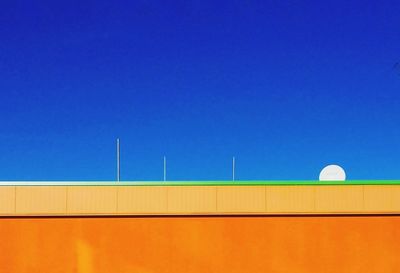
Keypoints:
(118, 161)
(165, 168)
(233, 168)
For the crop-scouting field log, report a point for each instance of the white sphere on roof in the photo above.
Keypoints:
(332, 173)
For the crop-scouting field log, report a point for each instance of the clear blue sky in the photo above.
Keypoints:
(286, 87)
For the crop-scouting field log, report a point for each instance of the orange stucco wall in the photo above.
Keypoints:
(225, 244)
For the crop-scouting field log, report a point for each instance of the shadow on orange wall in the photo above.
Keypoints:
(200, 244)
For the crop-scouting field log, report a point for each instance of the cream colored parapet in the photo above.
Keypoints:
(198, 200)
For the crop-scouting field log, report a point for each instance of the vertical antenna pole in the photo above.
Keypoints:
(118, 161)
(165, 168)
(233, 168)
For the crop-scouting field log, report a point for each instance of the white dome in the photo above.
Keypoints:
(332, 173)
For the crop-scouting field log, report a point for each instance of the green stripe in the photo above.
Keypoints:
(199, 183)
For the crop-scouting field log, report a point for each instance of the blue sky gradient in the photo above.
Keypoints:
(286, 87)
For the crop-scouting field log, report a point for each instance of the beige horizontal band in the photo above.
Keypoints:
(188, 200)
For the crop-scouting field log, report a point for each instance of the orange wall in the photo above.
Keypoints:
(226, 244)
